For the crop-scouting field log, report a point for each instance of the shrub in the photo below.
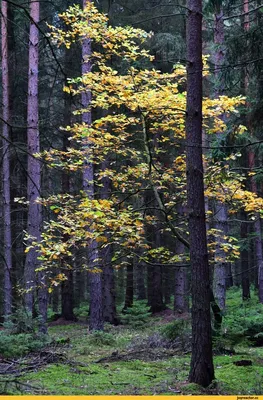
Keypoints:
(17, 345)
(82, 312)
(20, 321)
(99, 338)
(175, 329)
(137, 315)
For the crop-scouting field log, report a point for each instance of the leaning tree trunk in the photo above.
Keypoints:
(202, 369)
(34, 218)
(95, 279)
(6, 163)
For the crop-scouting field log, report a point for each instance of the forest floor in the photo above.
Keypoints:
(127, 361)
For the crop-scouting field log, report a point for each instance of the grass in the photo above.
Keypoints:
(162, 375)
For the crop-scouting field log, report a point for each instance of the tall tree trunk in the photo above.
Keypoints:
(140, 281)
(202, 369)
(109, 292)
(180, 286)
(129, 287)
(244, 258)
(221, 214)
(95, 279)
(34, 174)
(67, 287)
(251, 165)
(6, 163)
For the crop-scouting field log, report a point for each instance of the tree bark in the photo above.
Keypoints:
(95, 279)
(109, 292)
(244, 258)
(251, 165)
(129, 287)
(6, 163)
(180, 287)
(202, 369)
(34, 175)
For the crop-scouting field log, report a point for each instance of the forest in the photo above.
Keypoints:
(131, 197)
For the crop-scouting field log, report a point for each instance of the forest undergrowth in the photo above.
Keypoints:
(144, 355)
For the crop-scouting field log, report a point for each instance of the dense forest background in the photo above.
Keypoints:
(100, 201)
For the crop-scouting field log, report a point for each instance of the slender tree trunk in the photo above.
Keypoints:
(95, 279)
(6, 163)
(140, 281)
(244, 258)
(221, 213)
(202, 369)
(180, 287)
(129, 287)
(34, 175)
(109, 292)
(67, 287)
(251, 165)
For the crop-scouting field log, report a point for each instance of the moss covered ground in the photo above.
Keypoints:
(125, 361)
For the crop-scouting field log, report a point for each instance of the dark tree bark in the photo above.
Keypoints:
(129, 287)
(67, 287)
(6, 163)
(67, 297)
(251, 165)
(140, 281)
(180, 286)
(222, 268)
(202, 369)
(109, 292)
(244, 258)
(95, 279)
(34, 175)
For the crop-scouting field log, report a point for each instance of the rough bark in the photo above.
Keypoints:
(244, 259)
(180, 287)
(140, 281)
(221, 214)
(109, 292)
(129, 287)
(6, 163)
(67, 297)
(34, 218)
(202, 369)
(67, 287)
(95, 279)
(251, 165)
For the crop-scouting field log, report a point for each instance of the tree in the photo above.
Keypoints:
(6, 163)
(34, 219)
(95, 279)
(202, 369)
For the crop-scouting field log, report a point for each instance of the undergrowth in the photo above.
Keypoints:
(154, 360)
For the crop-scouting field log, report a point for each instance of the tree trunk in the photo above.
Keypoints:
(67, 297)
(180, 287)
(244, 258)
(220, 263)
(129, 287)
(6, 163)
(109, 292)
(34, 175)
(140, 281)
(221, 214)
(67, 287)
(251, 165)
(95, 279)
(202, 369)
